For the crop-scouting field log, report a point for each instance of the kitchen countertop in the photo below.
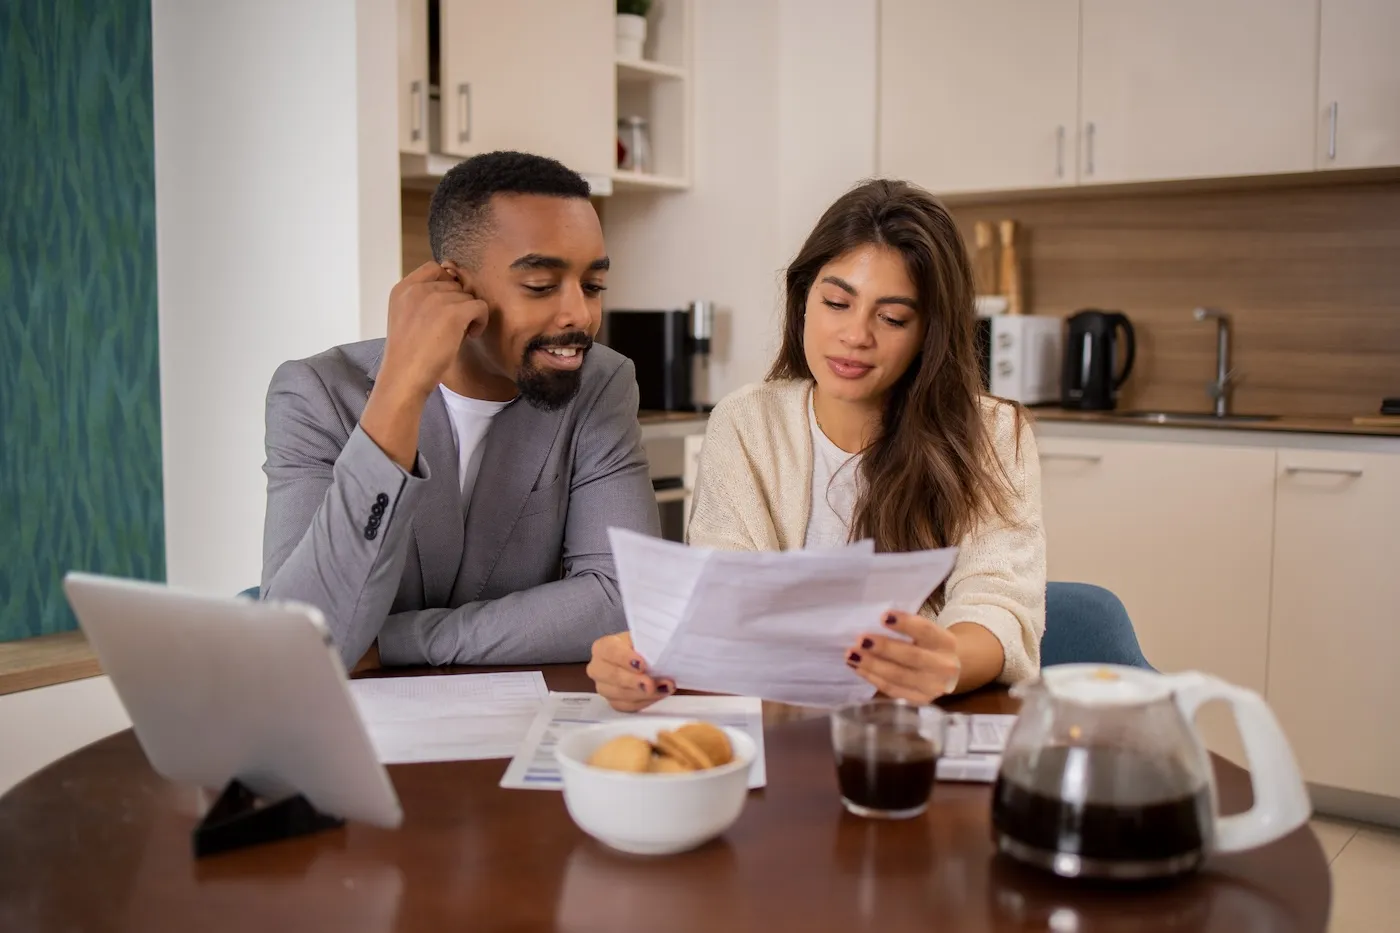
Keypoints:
(647, 416)
(1309, 424)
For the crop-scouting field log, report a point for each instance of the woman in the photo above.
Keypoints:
(872, 423)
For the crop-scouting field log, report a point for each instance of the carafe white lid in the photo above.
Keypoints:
(1105, 684)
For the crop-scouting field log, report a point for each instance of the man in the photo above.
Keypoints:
(447, 491)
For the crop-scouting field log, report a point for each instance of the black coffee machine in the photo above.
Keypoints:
(670, 350)
(1088, 381)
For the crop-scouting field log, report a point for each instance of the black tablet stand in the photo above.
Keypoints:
(237, 820)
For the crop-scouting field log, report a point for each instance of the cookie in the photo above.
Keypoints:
(679, 746)
(624, 753)
(667, 764)
(710, 739)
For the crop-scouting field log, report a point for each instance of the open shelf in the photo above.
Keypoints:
(646, 71)
(638, 181)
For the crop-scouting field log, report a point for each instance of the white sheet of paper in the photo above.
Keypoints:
(457, 717)
(775, 625)
(535, 768)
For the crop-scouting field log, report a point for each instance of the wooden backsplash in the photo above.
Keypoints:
(414, 210)
(1310, 277)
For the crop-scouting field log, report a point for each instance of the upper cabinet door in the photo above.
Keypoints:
(532, 75)
(1197, 88)
(1359, 84)
(413, 76)
(979, 96)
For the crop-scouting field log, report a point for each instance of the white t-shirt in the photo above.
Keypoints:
(470, 418)
(834, 476)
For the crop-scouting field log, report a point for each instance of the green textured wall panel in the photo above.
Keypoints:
(80, 464)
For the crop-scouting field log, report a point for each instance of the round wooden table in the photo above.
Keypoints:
(98, 841)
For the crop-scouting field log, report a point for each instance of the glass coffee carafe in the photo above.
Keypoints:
(1105, 776)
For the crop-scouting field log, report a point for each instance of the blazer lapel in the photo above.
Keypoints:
(437, 526)
(517, 447)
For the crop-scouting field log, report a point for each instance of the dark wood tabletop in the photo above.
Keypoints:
(98, 841)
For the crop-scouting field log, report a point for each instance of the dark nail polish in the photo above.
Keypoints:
(853, 658)
(663, 688)
(890, 619)
(867, 643)
(636, 665)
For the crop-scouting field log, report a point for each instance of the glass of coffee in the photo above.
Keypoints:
(886, 755)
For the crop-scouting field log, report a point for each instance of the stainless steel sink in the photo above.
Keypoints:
(1192, 417)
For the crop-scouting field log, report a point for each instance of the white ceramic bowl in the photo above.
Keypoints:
(651, 814)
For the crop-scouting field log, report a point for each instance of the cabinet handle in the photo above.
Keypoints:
(1059, 152)
(464, 112)
(419, 102)
(1084, 458)
(1089, 149)
(1325, 471)
(1332, 132)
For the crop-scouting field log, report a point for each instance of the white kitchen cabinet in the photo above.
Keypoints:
(1335, 637)
(1197, 88)
(1182, 534)
(979, 96)
(413, 76)
(534, 75)
(1359, 84)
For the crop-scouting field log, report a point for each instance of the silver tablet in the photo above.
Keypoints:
(220, 689)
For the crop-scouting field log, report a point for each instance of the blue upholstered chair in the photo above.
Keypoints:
(1083, 624)
(1087, 624)
(251, 592)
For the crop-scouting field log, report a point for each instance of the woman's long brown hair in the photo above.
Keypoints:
(931, 473)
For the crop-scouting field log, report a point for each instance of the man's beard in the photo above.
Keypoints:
(551, 389)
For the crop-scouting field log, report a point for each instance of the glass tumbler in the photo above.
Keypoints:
(886, 755)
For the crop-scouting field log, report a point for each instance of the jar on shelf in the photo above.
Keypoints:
(634, 148)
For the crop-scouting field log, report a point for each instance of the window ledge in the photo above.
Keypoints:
(45, 660)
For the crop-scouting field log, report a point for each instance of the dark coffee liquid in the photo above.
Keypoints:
(887, 783)
(1169, 823)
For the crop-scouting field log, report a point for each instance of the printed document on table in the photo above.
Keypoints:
(456, 717)
(775, 625)
(974, 747)
(535, 767)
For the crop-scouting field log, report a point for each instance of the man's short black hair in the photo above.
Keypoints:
(459, 216)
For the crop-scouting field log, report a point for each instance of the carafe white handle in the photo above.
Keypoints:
(1281, 802)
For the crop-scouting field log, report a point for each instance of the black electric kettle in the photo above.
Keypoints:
(1088, 380)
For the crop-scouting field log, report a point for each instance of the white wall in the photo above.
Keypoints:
(784, 97)
(380, 224)
(827, 83)
(40, 726)
(276, 178)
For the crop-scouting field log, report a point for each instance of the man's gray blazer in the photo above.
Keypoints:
(526, 576)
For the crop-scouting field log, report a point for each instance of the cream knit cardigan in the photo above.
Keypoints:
(753, 493)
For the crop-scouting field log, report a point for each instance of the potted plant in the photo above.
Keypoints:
(631, 28)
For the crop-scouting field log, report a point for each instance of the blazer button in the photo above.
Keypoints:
(373, 522)
(381, 500)
(371, 533)
(376, 509)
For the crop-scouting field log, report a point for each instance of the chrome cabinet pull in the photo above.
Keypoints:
(418, 101)
(1324, 471)
(1089, 149)
(464, 112)
(1083, 458)
(1332, 133)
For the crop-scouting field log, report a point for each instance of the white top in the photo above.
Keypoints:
(834, 475)
(471, 419)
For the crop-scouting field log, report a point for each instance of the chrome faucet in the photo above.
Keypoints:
(1219, 390)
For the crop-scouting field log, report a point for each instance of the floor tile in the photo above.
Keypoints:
(1366, 883)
